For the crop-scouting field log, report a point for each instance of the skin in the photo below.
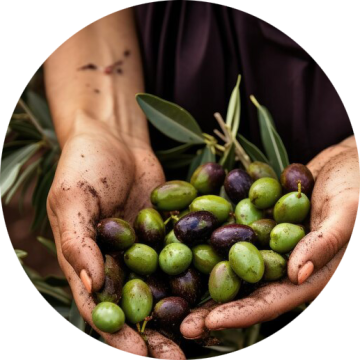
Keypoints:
(106, 159)
(313, 261)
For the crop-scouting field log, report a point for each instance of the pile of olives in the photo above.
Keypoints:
(207, 238)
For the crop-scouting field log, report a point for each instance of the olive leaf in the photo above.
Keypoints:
(172, 153)
(234, 107)
(252, 150)
(39, 108)
(181, 161)
(48, 244)
(11, 165)
(227, 161)
(170, 119)
(274, 147)
(75, 318)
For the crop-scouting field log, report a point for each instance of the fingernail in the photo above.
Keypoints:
(305, 271)
(86, 279)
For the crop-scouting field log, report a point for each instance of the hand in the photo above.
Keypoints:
(99, 175)
(334, 206)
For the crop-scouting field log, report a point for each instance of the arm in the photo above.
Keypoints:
(107, 167)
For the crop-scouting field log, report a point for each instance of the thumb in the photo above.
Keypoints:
(75, 229)
(317, 248)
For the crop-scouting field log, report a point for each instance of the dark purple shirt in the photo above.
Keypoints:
(193, 52)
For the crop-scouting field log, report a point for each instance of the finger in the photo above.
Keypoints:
(318, 247)
(270, 301)
(74, 218)
(126, 339)
(193, 326)
(161, 347)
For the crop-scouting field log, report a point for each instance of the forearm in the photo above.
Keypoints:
(316, 164)
(81, 80)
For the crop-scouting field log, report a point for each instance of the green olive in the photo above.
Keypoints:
(217, 205)
(292, 208)
(108, 317)
(265, 192)
(275, 265)
(175, 258)
(246, 212)
(136, 301)
(171, 238)
(262, 230)
(149, 227)
(284, 237)
(141, 259)
(205, 258)
(246, 261)
(173, 195)
(223, 283)
(258, 170)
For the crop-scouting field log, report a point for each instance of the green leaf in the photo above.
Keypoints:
(25, 130)
(182, 161)
(227, 161)
(12, 164)
(171, 119)
(26, 174)
(207, 156)
(234, 107)
(62, 310)
(274, 147)
(49, 244)
(172, 153)
(39, 200)
(21, 253)
(57, 281)
(39, 108)
(252, 150)
(75, 317)
(195, 163)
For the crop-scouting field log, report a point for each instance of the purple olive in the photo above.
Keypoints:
(195, 227)
(159, 286)
(208, 178)
(294, 173)
(237, 185)
(223, 238)
(187, 285)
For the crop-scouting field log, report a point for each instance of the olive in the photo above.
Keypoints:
(294, 173)
(181, 215)
(149, 227)
(262, 230)
(246, 212)
(175, 258)
(217, 205)
(115, 234)
(223, 283)
(187, 285)
(195, 227)
(173, 195)
(205, 258)
(258, 170)
(114, 280)
(170, 312)
(208, 178)
(284, 237)
(292, 208)
(158, 286)
(246, 261)
(265, 192)
(141, 259)
(269, 213)
(108, 317)
(137, 301)
(223, 238)
(237, 185)
(275, 265)
(170, 238)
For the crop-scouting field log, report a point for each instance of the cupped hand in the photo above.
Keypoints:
(313, 261)
(100, 174)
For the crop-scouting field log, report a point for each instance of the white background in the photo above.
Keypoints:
(32, 30)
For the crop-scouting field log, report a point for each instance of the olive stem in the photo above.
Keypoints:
(138, 327)
(299, 189)
(230, 139)
(143, 326)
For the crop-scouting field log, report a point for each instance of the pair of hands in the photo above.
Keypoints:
(101, 175)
